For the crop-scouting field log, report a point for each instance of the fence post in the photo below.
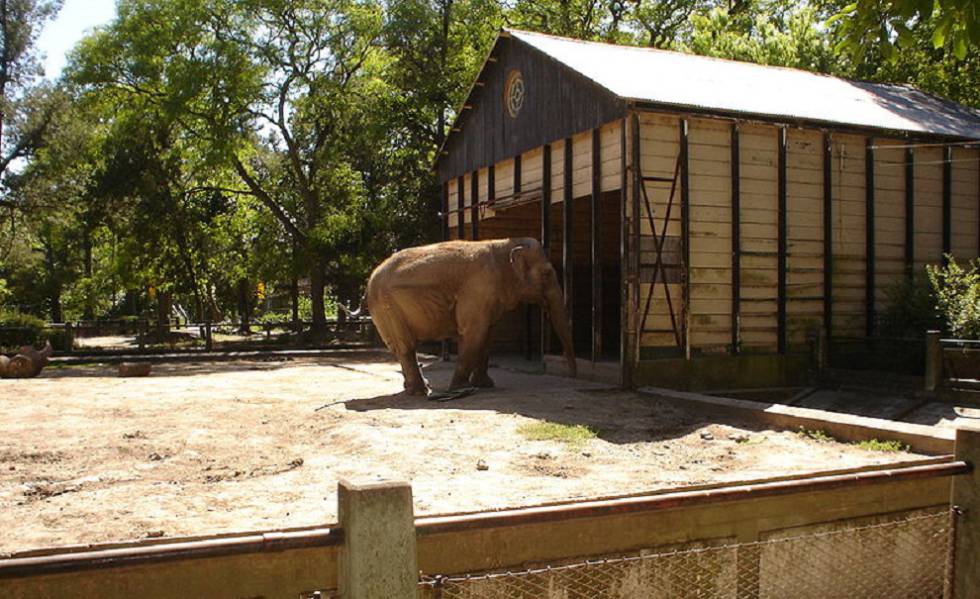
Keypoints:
(378, 560)
(69, 337)
(140, 328)
(208, 343)
(934, 361)
(966, 499)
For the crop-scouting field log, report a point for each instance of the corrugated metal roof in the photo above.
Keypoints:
(713, 84)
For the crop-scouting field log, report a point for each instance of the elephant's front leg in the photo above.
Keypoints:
(472, 349)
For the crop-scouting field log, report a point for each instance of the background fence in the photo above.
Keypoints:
(138, 336)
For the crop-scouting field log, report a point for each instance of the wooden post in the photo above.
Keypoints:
(633, 322)
(909, 212)
(378, 559)
(208, 340)
(625, 364)
(685, 234)
(140, 335)
(736, 239)
(545, 236)
(475, 205)
(947, 202)
(781, 246)
(966, 503)
(460, 207)
(828, 236)
(596, 246)
(69, 337)
(568, 255)
(869, 238)
(934, 361)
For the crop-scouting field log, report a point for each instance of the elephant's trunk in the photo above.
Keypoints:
(559, 321)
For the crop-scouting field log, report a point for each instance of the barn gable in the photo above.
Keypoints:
(557, 102)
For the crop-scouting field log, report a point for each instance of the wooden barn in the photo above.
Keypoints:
(707, 217)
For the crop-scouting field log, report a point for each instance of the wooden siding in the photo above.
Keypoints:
(848, 234)
(558, 103)
(966, 202)
(712, 326)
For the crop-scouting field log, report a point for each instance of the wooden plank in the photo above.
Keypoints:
(596, 246)
(460, 214)
(909, 212)
(568, 250)
(781, 243)
(685, 189)
(474, 205)
(869, 254)
(947, 203)
(828, 228)
(736, 237)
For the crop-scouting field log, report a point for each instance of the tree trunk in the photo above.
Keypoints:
(244, 307)
(88, 313)
(164, 308)
(317, 284)
(56, 312)
(294, 295)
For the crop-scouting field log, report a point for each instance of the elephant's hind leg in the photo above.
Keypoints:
(401, 341)
(480, 378)
(471, 353)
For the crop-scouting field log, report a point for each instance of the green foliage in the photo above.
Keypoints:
(573, 434)
(957, 292)
(17, 329)
(891, 26)
(909, 309)
(887, 446)
(816, 435)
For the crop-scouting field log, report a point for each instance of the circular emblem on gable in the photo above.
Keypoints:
(514, 93)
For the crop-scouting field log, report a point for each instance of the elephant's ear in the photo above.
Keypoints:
(518, 260)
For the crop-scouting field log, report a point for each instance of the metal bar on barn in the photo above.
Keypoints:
(626, 373)
(828, 230)
(947, 202)
(685, 234)
(545, 234)
(596, 246)
(869, 237)
(460, 206)
(475, 205)
(909, 212)
(635, 249)
(781, 246)
(736, 239)
(568, 256)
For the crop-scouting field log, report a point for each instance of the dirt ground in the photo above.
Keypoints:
(221, 447)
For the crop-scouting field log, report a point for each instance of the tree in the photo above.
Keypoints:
(886, 25)
(24, 113)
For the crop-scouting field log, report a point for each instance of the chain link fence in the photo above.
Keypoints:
(908, 558)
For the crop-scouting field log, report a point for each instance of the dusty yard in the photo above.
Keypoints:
(220, 447)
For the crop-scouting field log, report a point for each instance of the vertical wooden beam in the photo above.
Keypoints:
(491, 185)
(869, 237)
(445, 210)
(947, 202)
(966, 498)
(545, 235)
(909, 212)
(625, 363)
(685, 234)
(517, 174)
(596, 246)
(568, 250)
(736, 239)
(828, 235)
(475, 205)
(635, 247)
(781, 247)
(460, 206)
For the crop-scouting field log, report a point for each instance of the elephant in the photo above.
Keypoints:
(459, 290)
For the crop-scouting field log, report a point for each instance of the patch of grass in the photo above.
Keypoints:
(816, 435)
(574, 434)
(876, 445)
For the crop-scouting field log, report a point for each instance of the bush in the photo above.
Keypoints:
(910, 308)
(957, 297)
(17, 329)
